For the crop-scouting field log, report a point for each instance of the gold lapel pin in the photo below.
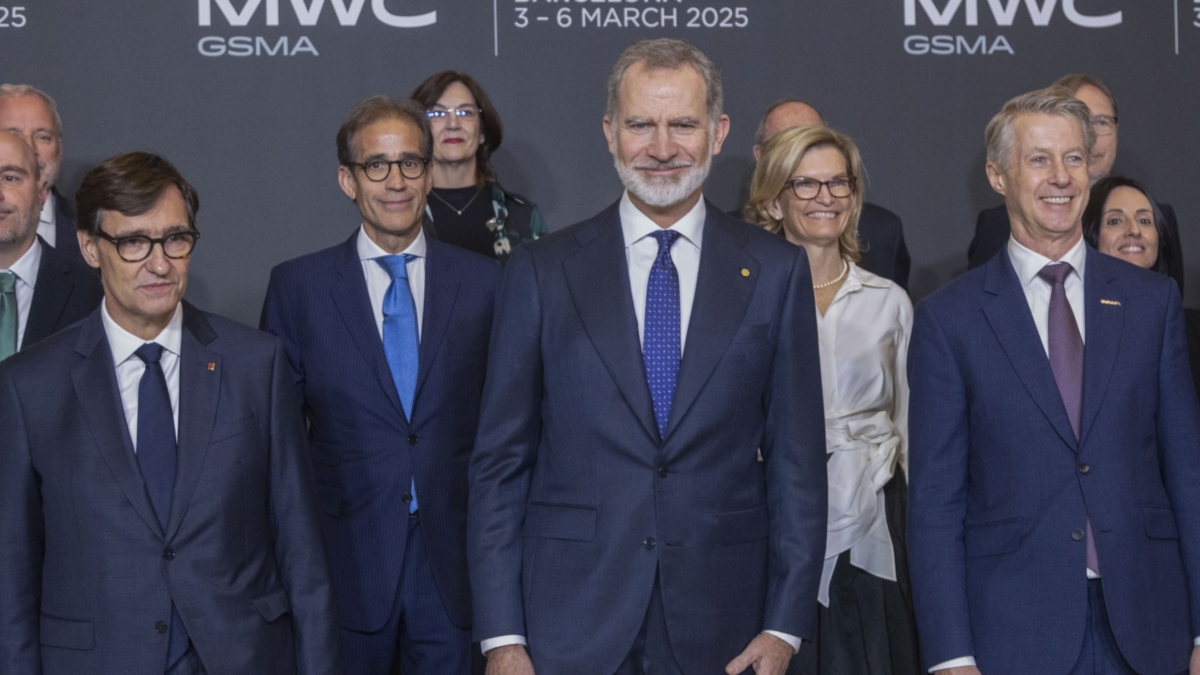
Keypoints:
(745, 272)
(1114, 303)
(212, 366)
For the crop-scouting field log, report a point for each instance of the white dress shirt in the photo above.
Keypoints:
(26, 269)
(46, 221)
(641, 249)
(1027, 264)
(130, 368)
(863, 340)
(378, 278)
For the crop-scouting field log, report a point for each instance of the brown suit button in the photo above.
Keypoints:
(1077, 534)
(160, 627)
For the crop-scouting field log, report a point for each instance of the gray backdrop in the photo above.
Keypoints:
(255, 133)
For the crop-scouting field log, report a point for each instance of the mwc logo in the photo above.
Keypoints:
(309, 12)
(1004, 12)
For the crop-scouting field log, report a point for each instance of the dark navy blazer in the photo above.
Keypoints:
(577, 504)
(64, 292)
(1001, 489)
(87, 572)
(364, 450)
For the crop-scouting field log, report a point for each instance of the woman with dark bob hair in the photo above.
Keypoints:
(1123, 220)
(467, 207)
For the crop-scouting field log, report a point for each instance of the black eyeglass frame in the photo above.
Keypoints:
(850, 182)
(424, 162)
(118, 242)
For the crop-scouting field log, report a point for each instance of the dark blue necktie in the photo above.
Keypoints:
(156, 451)
(660, 334)
(401, 341)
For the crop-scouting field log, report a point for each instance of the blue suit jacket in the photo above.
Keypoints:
(577, 504)
(66, 241)
(86, 569)
(364, 450)
(65, 291)
(1001, 489)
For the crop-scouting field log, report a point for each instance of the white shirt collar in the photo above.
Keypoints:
(1028, 263)
(123, 343)
(369, 250)
(636, 225)
(47, 215)
(26, 267)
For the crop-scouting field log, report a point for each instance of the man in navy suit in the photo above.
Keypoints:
(387, 336)
(880, 232)
(621, 520)
(1054, 521)
(158, 511)
(40, 290)
(31, 114)
(991, 227)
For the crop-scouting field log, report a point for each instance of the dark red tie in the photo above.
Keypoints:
(1066, 361)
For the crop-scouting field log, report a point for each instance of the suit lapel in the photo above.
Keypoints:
(199, 390)
(349, 291)
(1008, 314)
(441, 289)
(50, 295)
(723, 294)
(598, 280)
(95, 381)
(1103, 336)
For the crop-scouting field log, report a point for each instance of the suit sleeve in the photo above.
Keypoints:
(904, 320)
(277, 319)
(22, 541)
(1178, 423)
(793, 450)
(298, 547)
(938, 452)
(505, 452)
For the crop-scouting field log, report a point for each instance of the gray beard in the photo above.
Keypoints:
(662, 192)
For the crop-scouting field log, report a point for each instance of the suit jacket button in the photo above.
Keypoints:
(169, 554)
(662, 472)
(407, 498)
(160, 627)
(412, 439)
(1084, 468)
(649, 543)
(1077, 534)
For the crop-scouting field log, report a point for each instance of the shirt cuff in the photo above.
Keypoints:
(489, 644)
(955, 663)
(792, 640)
(1196, 642)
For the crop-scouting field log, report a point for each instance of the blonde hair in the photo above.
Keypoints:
(780, 157)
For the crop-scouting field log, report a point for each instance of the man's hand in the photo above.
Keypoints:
(1194, 666)
(768, 654)
(966, 670)
(509, 660)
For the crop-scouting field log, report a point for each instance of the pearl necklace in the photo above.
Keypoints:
(458, 212)
(827, 284)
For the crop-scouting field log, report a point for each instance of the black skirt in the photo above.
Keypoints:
(869, 627)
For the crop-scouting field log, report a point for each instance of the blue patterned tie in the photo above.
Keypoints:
(660, 335)
(401, 340)
(156, 457)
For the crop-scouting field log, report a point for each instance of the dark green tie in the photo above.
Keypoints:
(8, 314)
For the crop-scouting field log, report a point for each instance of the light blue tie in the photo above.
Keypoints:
(660, 335)
(401, 340)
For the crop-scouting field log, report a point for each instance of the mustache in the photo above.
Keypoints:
(671, 164)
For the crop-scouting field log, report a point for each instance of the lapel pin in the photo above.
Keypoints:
(1114, 303)
(212, 366)
(745, 272)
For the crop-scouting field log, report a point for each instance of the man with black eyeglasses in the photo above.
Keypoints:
(387, 335)
(992, 226)
(159, 514)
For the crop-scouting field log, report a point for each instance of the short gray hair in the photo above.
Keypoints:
(760, 134)
(1054, 100)
(667, 54)
(19, 90)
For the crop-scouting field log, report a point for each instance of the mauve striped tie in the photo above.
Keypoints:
(1066, 361)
